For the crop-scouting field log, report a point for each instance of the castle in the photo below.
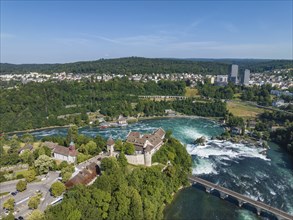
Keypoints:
(145, 146)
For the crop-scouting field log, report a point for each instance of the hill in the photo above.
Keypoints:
(139, 65)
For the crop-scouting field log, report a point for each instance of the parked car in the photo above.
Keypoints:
(20, 218)
(14, 193)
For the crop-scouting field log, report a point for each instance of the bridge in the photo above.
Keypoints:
(162, 97)
(224, 192)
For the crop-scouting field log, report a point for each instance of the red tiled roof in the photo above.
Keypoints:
(85, 176)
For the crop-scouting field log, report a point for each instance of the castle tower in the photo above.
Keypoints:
(72, 152)
(147, 157)
(110, 146)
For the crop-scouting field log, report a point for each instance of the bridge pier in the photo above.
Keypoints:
(258, 210)
(208, 189)
(223, 195)
(240, 203)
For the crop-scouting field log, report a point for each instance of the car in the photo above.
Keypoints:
(14, 193)
(20, 218)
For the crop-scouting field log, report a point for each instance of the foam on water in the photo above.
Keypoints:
(226, 150)
(204, 167)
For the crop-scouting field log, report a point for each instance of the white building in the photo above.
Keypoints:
(246, 77)
(65, 153)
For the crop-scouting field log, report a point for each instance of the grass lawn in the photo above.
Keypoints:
(242, 109)
(4, 193)
(191, 92)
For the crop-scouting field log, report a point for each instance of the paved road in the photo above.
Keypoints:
(21, 199)
(96, 159)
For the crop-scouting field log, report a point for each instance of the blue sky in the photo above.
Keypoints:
(67, 31)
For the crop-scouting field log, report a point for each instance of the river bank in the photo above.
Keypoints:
(37, 129)
(145, 118)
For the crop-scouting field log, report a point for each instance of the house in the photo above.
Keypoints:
(236, 130)
(85, 176)
(26, 147)
(170, 112)
(65, 153)
(62, 153)
(122, 121)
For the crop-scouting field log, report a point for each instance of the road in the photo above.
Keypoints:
(96, 159)
(22, 198)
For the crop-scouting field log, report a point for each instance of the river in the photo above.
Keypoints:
(267, 178)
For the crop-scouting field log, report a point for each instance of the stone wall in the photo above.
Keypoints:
(135, 159)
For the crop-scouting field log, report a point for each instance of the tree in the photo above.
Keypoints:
(92, 148)
(129, 148)
(25, 156)
(44, 163)
(57, 188)
(72, 134)
(30, 175)
(34, 202)
(122, 159)
(10, 216)
(9, 204)
(36, 215)
(27, 138)
(74, 215)
(21, 185)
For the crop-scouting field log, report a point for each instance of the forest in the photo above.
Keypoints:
(137, 65)
(36, 105)
(129, 65)
(126, 192)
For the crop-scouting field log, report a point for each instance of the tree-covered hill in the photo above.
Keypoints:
(137, 65)
(131, 65)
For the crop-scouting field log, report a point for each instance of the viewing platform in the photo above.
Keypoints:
(224, 192)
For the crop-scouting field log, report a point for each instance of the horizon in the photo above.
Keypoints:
(200, 59)
(74, 31)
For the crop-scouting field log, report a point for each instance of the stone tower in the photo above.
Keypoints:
(110, 146)
(147, 157)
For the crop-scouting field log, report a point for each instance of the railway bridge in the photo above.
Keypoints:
(224, 192)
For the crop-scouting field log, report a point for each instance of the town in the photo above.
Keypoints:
(277, 78)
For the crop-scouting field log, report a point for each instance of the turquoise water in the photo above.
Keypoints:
(267, 178)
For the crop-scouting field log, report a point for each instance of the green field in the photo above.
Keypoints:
(191, 92)
(243, 109)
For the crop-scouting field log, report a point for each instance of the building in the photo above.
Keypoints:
(28, 147)
(84, 177)
(234, 74)
(122, 121)
(246, 77)
(222, 80)
(65, 153)
(110, 146)
(145, 146)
